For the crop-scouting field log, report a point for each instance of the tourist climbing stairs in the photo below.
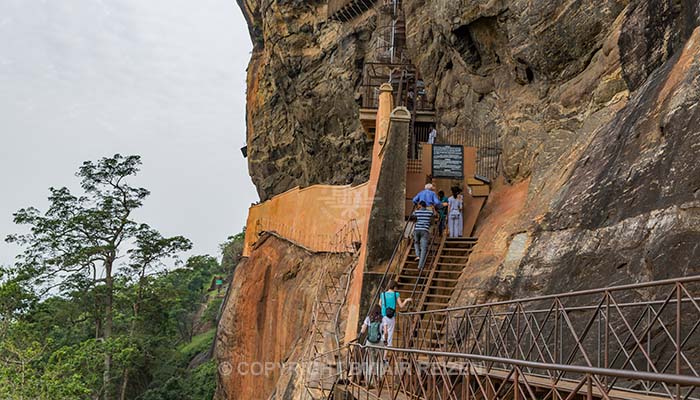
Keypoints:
(438, 288)
(432, 288)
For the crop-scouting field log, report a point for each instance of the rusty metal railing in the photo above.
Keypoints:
(409, 87)
(618, 342)
(378, 372)
(346, 10)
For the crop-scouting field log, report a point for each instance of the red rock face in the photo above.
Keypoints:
(595, 104)
(266, 317)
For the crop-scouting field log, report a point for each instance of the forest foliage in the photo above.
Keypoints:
(100, 306)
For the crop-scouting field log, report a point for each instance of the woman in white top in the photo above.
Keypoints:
(455, 219)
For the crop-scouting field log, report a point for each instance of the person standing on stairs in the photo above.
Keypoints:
(389, 301)
(428, 196)
(432, 135)
(374, 326)
(455, 218)
(442, 212)
(421, 232)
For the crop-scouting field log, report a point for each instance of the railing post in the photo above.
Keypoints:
(469, 388)
(556, 333)
(516, 382)
(518, 349)
(606, 351)
(678, 337)
(589, 394)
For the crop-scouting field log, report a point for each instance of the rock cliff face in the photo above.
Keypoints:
(302, 114)
(265, 321)
(595, 103)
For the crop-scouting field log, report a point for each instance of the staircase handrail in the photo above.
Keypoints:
(522, 341)
(395, 252)
(684, 380)
(639, 285)
(434, 252)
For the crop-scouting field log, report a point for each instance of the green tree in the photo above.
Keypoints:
(232, 251)
(150, 251)
(77, 242)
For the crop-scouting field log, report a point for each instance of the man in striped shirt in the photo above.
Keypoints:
(421, 232)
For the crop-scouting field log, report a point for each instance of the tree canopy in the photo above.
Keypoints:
(98, 305)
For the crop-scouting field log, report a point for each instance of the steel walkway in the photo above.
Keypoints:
(637, 341)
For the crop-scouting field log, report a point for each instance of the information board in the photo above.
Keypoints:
(448, 161)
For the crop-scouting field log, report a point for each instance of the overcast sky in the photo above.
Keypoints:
(84, 79)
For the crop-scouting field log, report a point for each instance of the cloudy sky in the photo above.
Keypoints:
(83, 79)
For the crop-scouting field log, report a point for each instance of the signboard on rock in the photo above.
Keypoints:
(448, 161)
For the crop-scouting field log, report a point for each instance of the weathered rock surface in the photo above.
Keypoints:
(596, 104)
(302, 114)
(265, 322)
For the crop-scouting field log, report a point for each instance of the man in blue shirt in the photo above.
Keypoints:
(428, 196)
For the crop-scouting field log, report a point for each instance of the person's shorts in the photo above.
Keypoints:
(390, 324)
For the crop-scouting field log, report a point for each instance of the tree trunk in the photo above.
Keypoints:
(132, 330)
(109, 295)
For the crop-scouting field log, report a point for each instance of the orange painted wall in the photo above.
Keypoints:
(311, 217)
(386, 106)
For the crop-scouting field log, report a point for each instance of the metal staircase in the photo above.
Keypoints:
(322, 357)
(438, 287)
(629, 342)
(323, 363)
(432, 288)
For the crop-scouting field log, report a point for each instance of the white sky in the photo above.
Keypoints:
(83, 79)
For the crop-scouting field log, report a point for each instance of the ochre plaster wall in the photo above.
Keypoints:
(311, 217)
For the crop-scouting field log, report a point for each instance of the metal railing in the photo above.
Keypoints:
(345, 239)
(409, 87)
(345, 10)
(617, 342)
(402, 245)
(425, 374)
(319, 376)
(488, 147)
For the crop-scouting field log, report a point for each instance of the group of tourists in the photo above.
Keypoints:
(380, 322)
(379, 325)
(449, 212)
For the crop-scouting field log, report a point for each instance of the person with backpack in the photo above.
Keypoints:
(390, 300)
(373, 327)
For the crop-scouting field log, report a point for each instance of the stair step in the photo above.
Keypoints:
(428, 303)
(410, 285)
(451, 264)
(441, 296)
(413, 279)
(446, 280)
